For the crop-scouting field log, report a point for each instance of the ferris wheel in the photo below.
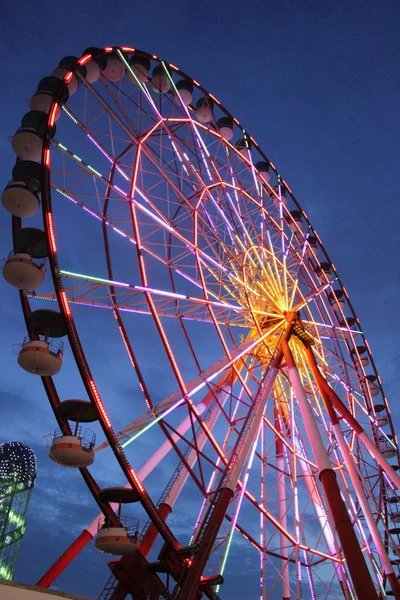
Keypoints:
(165, 264)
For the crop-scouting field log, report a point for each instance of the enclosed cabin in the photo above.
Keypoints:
(114, 68)
(119, 535)
(371, 382)
(67, 64)
(42, 350)
(225, 128)
(323, 272)
(296, 222)
(73, 446)
(50, 90)
(184, 88)
(21, 197)
(337, 300)
(204, 110)
(243, 146)
(160, 81)
(25, 265)
(279, 197)
(139, 68)
(359, 355)
(386, 446)
(312, 247)
(263, 170)
(381, 420)
(95, 65)
(346, 326)
(27, 142)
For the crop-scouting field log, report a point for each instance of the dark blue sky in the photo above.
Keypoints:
(317, 85)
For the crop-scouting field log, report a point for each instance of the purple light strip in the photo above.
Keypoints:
(96, 215)
(108, 157)
(188, 278)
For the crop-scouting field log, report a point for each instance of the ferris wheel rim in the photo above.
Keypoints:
(63, 302)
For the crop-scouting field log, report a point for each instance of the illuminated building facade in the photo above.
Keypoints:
(17, 478)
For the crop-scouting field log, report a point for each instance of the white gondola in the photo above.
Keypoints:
(296, 221)
(140, 66)
(360, 356)
(381, 421)
(225, 127)
(262, 168)
(27, 144)
(115, 541)
(337, 300)
(372, 387)
(40, 357)
(140, 72)
(43, 102)
(387, 449)
(160, 81)
(280, 198)
(93, 71)
(73, 448)
(73, 84)
(114, 69)
(93, 67)
(185, 91)
(323, 272)
(244, 147)
(312, 247)
(204, 110)
(71, 451)
(20, 200)
(49, 90)
(119, 536)
(22, 272)
(347, 323)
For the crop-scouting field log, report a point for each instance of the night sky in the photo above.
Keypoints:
(317, 84)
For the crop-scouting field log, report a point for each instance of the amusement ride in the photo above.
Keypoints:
(152, 239)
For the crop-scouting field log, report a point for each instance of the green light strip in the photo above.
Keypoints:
(91, 278)
(69, 114)
(5, 572)
(94, 171)
(14, 517)
(76, 157)
(139, 433)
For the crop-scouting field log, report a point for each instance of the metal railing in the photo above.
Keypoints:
(38, 262)
(86, 436)
(54, 345)
(130, 524)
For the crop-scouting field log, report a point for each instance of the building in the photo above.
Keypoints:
(17, 478)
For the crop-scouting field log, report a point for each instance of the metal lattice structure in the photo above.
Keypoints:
(176, 256)
(17, 478)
